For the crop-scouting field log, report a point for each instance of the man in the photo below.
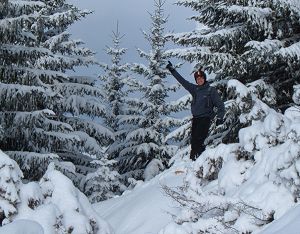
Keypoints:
(205, 98)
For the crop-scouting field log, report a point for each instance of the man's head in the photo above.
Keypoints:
(200, 77)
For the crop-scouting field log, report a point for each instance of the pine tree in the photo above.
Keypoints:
(147, 122)
(113, 84)
(104, 183)
(247, 41)
(41, 106)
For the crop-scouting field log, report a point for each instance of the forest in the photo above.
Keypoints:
(68, 142)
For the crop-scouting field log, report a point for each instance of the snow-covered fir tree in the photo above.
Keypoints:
(247, 41)
(114, 80)
(42, 107)
(104, 183)
(115, 92)
(147, 123)
(81, 104)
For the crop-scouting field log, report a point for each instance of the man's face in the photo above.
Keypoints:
(200, 80)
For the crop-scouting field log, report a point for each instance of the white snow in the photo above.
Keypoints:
(22, 226)
(146, 209)
(52, 206)
(288, 224)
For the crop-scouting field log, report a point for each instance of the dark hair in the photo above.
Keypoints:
(200, 73)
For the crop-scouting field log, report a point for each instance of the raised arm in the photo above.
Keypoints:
(187, 85)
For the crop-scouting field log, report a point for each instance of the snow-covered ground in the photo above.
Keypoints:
(22, 226)
(146, 209)
(287, 224)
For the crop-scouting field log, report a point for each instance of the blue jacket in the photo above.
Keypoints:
(205, 98)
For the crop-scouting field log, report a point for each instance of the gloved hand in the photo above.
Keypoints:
(219, 121)
(170, 66)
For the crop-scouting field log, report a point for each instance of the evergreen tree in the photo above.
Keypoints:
(104, 183)
(247, 41)
(147, 122)
(114, 93)
(42, 107)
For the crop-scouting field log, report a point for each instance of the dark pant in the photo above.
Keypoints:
(200, 128)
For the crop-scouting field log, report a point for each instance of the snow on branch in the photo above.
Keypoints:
(182, 103)
(265, 46)
(290, 52)
(140, 69)
(92, 128)
(142, 135)
(89, 144)
(80, 105)
(69, 89)
(289, 4)
(132, 119)
(296, 95)
(22, 97)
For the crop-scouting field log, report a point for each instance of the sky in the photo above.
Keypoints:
(133, 17)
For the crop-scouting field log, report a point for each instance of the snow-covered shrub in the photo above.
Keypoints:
(22, 226)
(238, 188)
(58, 206)
(69, 170)
(10, 182)
(104, 183)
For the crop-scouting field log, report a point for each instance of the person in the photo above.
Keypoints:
(205, 98)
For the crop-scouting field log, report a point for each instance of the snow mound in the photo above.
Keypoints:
(145, 209)
(59, 206)
(52, 206)
(22, 226)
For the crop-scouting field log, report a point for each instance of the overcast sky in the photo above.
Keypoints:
(132, 15)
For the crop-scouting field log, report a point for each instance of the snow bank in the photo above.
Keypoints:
(288, 224)
(145, 209)
(22, 226)
(52, 206)
(59, 206)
